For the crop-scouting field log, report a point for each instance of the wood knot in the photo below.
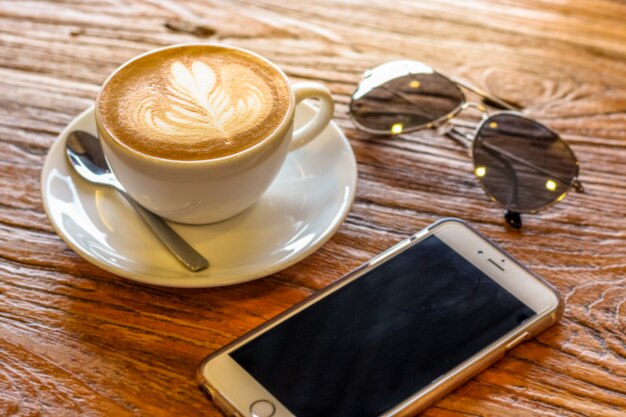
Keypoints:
(516, 86)
(195, 29)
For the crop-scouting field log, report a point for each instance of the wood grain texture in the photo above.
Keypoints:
(75, 340)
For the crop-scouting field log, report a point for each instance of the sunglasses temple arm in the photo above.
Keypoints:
(487, 98)
(578, 186)
(513, 219)
(463, 123)
(458, 136)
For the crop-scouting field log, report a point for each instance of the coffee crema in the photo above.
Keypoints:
(194, 102)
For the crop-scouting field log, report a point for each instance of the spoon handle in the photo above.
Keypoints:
(172, 240)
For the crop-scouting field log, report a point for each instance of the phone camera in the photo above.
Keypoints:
(480, 252)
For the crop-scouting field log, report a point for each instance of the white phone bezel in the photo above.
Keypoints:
(239, 390)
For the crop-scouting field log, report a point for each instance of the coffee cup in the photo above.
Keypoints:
(197, 132)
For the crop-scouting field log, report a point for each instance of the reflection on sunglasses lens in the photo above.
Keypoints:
(521, 163)
(406, 102)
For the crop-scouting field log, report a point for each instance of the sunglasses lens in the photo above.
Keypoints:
(406, 102)
(522, 164)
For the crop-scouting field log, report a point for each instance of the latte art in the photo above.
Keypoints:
(194, 102)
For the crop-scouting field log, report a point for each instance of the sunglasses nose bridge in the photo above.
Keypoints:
(472, 105)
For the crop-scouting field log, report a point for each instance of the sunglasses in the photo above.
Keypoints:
(520, 163)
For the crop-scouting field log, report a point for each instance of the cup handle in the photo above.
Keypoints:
(314, 127)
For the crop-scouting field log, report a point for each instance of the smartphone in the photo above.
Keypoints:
(389, 338)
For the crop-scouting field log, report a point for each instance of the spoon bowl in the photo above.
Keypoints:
(85, 155)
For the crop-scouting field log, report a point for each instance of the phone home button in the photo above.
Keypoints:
(262, 408)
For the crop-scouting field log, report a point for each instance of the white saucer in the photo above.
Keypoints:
(300, 211)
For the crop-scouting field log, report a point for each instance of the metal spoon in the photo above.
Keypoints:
(85, 154)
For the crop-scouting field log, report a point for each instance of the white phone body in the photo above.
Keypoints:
(237, 393)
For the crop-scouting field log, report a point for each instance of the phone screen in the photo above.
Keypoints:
(379, 339)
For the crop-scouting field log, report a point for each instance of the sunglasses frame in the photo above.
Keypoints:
(407, 67)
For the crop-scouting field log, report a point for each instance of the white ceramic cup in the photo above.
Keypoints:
(211, 190)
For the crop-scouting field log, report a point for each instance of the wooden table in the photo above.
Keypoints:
(76, 340)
